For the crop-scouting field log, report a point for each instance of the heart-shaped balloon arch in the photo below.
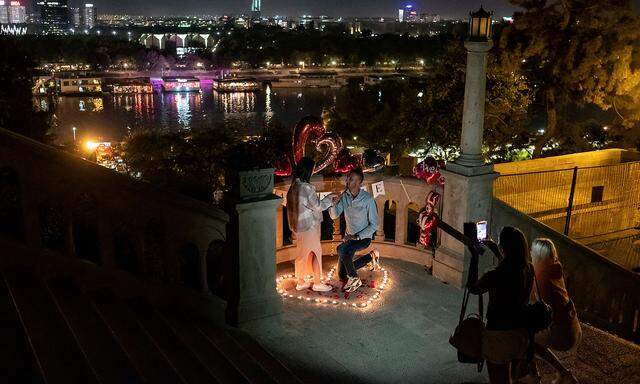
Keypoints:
(335, 153)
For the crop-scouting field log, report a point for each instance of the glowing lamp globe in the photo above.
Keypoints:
(480, 25)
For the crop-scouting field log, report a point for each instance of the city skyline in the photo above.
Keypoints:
(360, 8)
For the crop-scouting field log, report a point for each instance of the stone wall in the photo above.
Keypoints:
(581, 160)
(67, 216)
(605, 294)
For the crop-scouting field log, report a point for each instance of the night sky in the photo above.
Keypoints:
(446, 8)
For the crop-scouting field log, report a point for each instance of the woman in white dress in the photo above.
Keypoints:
(304, 212)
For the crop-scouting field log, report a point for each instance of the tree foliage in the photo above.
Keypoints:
(580, 56)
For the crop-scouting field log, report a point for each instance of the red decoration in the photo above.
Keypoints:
(345, 162)
(283, 167)
(311, 127)
(429, 171)
(428, 219)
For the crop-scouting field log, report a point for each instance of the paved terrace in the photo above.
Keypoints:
(404, 338)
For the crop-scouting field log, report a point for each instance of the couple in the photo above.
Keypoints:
(304, 212)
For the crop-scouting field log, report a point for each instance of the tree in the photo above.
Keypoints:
(426, 114)
(17, 70)
(577, 54)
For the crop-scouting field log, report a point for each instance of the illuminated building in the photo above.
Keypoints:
(75, 17)
(180, 84)
(89, 16)
(12, 12)
(255, 6)
(54, 16)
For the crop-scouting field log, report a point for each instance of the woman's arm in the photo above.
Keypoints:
(481, 286)
(313, 202)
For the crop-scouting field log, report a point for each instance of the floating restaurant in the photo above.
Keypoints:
(180, 84)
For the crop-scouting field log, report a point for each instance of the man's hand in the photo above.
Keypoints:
(335, 197)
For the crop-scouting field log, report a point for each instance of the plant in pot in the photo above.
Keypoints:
(250, 169)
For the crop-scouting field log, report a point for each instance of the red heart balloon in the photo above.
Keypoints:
(312, 126)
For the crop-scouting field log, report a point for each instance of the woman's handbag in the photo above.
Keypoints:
(539, 314)
(467, 337)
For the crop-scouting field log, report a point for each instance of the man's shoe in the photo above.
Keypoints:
(322, 287)
(302, 287)
(375, 260)
(353, 284)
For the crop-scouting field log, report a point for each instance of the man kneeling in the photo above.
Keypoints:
(361, 216)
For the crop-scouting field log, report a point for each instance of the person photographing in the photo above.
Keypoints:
(361, 217)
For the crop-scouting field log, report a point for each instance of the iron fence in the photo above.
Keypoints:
(595, 205)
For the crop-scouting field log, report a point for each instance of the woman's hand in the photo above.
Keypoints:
(335, 197)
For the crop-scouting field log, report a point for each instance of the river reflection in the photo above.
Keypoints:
(112, 117)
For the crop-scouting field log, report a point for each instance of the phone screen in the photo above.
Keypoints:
(481, 230)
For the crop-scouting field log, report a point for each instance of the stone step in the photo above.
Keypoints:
(153, 365)
(213, 358)
(56, 347)
(276, 370)
(103, 351)
(249, 367)
(180, 355)
(18, 362)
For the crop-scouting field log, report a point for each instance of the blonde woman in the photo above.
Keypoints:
(565, 332)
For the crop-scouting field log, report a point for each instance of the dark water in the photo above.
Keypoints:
(112, 117)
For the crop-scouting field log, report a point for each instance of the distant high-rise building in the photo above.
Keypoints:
(12, 12)
(4, 13)
(54, 16)
(401, 14)
(89, 16)
(255, 5)
(75, 17)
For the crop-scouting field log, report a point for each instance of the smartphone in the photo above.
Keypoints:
(481, 230)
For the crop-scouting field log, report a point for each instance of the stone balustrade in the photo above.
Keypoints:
(398, 210)
(68, 216)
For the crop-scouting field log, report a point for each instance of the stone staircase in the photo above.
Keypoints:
(53, 331)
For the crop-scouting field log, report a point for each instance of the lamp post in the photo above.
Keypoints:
(478, 45)
(468, 196)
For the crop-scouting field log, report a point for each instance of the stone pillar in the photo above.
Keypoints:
(380, 229)
(474, 98)
(401, 221)
(466, 199)
(468, 195)
(256, 295)
(336, 230)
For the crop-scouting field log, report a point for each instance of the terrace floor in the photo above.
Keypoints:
(403, 338)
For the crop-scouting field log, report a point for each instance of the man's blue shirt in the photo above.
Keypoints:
(360, 214)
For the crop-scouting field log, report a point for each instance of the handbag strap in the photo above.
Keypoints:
(537, 287)
(465, 301)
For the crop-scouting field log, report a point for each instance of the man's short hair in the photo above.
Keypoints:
(358, 171)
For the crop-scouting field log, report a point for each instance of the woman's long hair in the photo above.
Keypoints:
(304, 169)
(514, 247)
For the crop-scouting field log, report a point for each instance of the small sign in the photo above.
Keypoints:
(378, 189)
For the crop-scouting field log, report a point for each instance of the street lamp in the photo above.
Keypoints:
(480, 25)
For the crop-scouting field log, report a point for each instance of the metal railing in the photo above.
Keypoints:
(592, 205)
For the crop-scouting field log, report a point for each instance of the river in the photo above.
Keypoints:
(113, 117)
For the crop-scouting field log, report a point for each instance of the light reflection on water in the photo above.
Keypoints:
(112, 117)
